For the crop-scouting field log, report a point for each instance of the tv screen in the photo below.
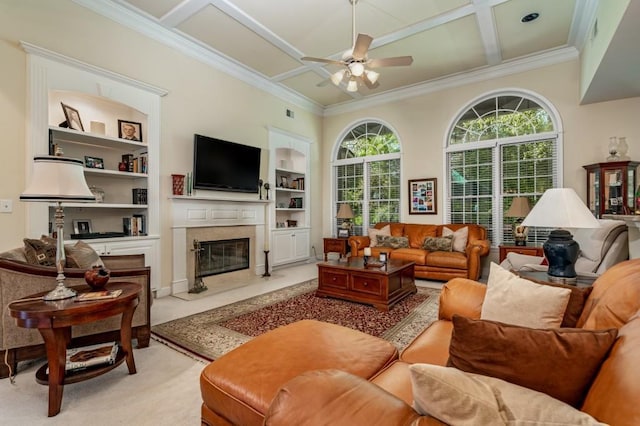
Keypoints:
(225, 166)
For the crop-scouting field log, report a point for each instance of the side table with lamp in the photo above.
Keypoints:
(561, 208)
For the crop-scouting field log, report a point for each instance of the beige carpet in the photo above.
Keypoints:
(210, 334)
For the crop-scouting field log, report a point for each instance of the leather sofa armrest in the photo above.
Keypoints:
(358, 243)
(334, 397)
(475, 250)
(463, 297)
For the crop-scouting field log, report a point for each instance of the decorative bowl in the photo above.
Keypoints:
(97, 277)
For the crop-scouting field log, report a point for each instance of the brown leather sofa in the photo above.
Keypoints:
(19, 279)
(434, 265)
(315, 373)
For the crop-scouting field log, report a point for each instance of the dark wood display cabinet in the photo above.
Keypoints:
(611, 187)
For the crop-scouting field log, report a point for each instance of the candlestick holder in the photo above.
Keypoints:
(266, 264)
(366, 260)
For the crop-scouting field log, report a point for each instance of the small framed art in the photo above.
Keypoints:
(93, 162)
(130, 130)
(73, 117)
(423, 196)
(82, 226)
(343, 233)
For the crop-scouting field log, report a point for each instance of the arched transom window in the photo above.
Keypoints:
(367, 175)
(503, 146)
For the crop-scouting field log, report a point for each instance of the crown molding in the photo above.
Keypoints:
(541, 60)
(150, 27)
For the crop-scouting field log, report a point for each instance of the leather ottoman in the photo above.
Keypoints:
(238, 387)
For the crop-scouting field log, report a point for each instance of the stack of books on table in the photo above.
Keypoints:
(87, 356)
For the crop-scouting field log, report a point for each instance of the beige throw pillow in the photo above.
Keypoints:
(460, 238)
(373, 233)
(514, 300)
(82, 255)
(458, 398)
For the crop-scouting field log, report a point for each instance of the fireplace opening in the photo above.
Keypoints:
(222, 256)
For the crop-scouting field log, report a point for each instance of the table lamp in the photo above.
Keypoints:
(561, 208)
(345, 213)
(519, 209)
(57, 179)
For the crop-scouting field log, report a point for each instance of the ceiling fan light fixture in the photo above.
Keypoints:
(356, 68)
(372, 76)
(337, 77)
(352, 86)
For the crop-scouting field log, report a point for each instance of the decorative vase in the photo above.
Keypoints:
(613, 149)
(97, 277)
(178, 184)
(623, 147)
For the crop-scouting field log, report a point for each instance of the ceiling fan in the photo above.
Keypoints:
(357, 68)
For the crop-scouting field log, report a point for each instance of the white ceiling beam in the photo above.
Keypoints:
(182, 12)
(488, 31)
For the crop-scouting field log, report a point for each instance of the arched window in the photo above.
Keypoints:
(367, 175)
(501, 147)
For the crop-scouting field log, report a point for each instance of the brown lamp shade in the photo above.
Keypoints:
(520, 207)
(345, 212)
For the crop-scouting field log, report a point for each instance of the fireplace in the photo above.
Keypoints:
(222, 256)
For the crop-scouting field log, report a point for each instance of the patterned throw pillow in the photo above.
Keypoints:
(392, 242)
(438, 244)
(40, 252)
(82, 255)
(373, 234)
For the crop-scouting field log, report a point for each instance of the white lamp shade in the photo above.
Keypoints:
(57, 179)
(336, 77)
(560, 208)
(352, 86)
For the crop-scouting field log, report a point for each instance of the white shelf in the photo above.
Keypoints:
(116, 173)
(301, 191)
(287, 171)
(95, 140)
(103, 206)
(280, 209)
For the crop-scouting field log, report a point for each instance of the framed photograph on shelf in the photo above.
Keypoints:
(343, 233)
(93, 162)
(130, 130)
(423, 196)
(73, 117)
(82, 226)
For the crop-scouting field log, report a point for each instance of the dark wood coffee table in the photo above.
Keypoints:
(381, 287)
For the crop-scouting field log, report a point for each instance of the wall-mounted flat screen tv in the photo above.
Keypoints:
(225, 166)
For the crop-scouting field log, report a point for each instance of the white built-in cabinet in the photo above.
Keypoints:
(289, 160)
(103, 97)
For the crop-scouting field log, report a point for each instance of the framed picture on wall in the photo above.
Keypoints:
(423, 196)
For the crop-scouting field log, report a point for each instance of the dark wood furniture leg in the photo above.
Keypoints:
(125, 337)
(55, 341)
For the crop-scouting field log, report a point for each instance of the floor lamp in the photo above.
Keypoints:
(57, 179)
(561, 208)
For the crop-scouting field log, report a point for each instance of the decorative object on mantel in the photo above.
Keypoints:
(266, 190)
(613, 149)
(97, 277)
(266, 264)
(260, 182)
(177, 184)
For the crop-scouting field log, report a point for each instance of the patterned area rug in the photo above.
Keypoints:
(213, 333)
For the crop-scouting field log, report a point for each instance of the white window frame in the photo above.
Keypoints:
(496, 144)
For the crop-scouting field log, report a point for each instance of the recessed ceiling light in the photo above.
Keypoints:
(530, 17)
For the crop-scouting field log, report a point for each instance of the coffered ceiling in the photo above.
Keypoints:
(265, 40)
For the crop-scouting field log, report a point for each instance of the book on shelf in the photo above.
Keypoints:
(135, 225)
(98, 295)
(139, 195)
(87, 356)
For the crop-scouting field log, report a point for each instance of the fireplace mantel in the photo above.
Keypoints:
(188, 212)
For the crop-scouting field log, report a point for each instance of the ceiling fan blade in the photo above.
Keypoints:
(397, 61)
(361, 46)
(323, 60)
(368, 82)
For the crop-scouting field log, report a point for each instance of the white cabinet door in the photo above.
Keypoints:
(301, 244)
(283, 245)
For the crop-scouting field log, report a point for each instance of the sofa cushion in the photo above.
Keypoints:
(595, 243)
(577, 300)
(82, 255)
(460, 398)
(40, 252)
(514, 300)
(14, 254)
(392, 242)
(418, 256)
(559, 362)
(373, 233)
(438, 243)
(417, 233)
(460, 237)
(447, 259)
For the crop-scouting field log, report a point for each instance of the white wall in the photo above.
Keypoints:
(200, 100)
